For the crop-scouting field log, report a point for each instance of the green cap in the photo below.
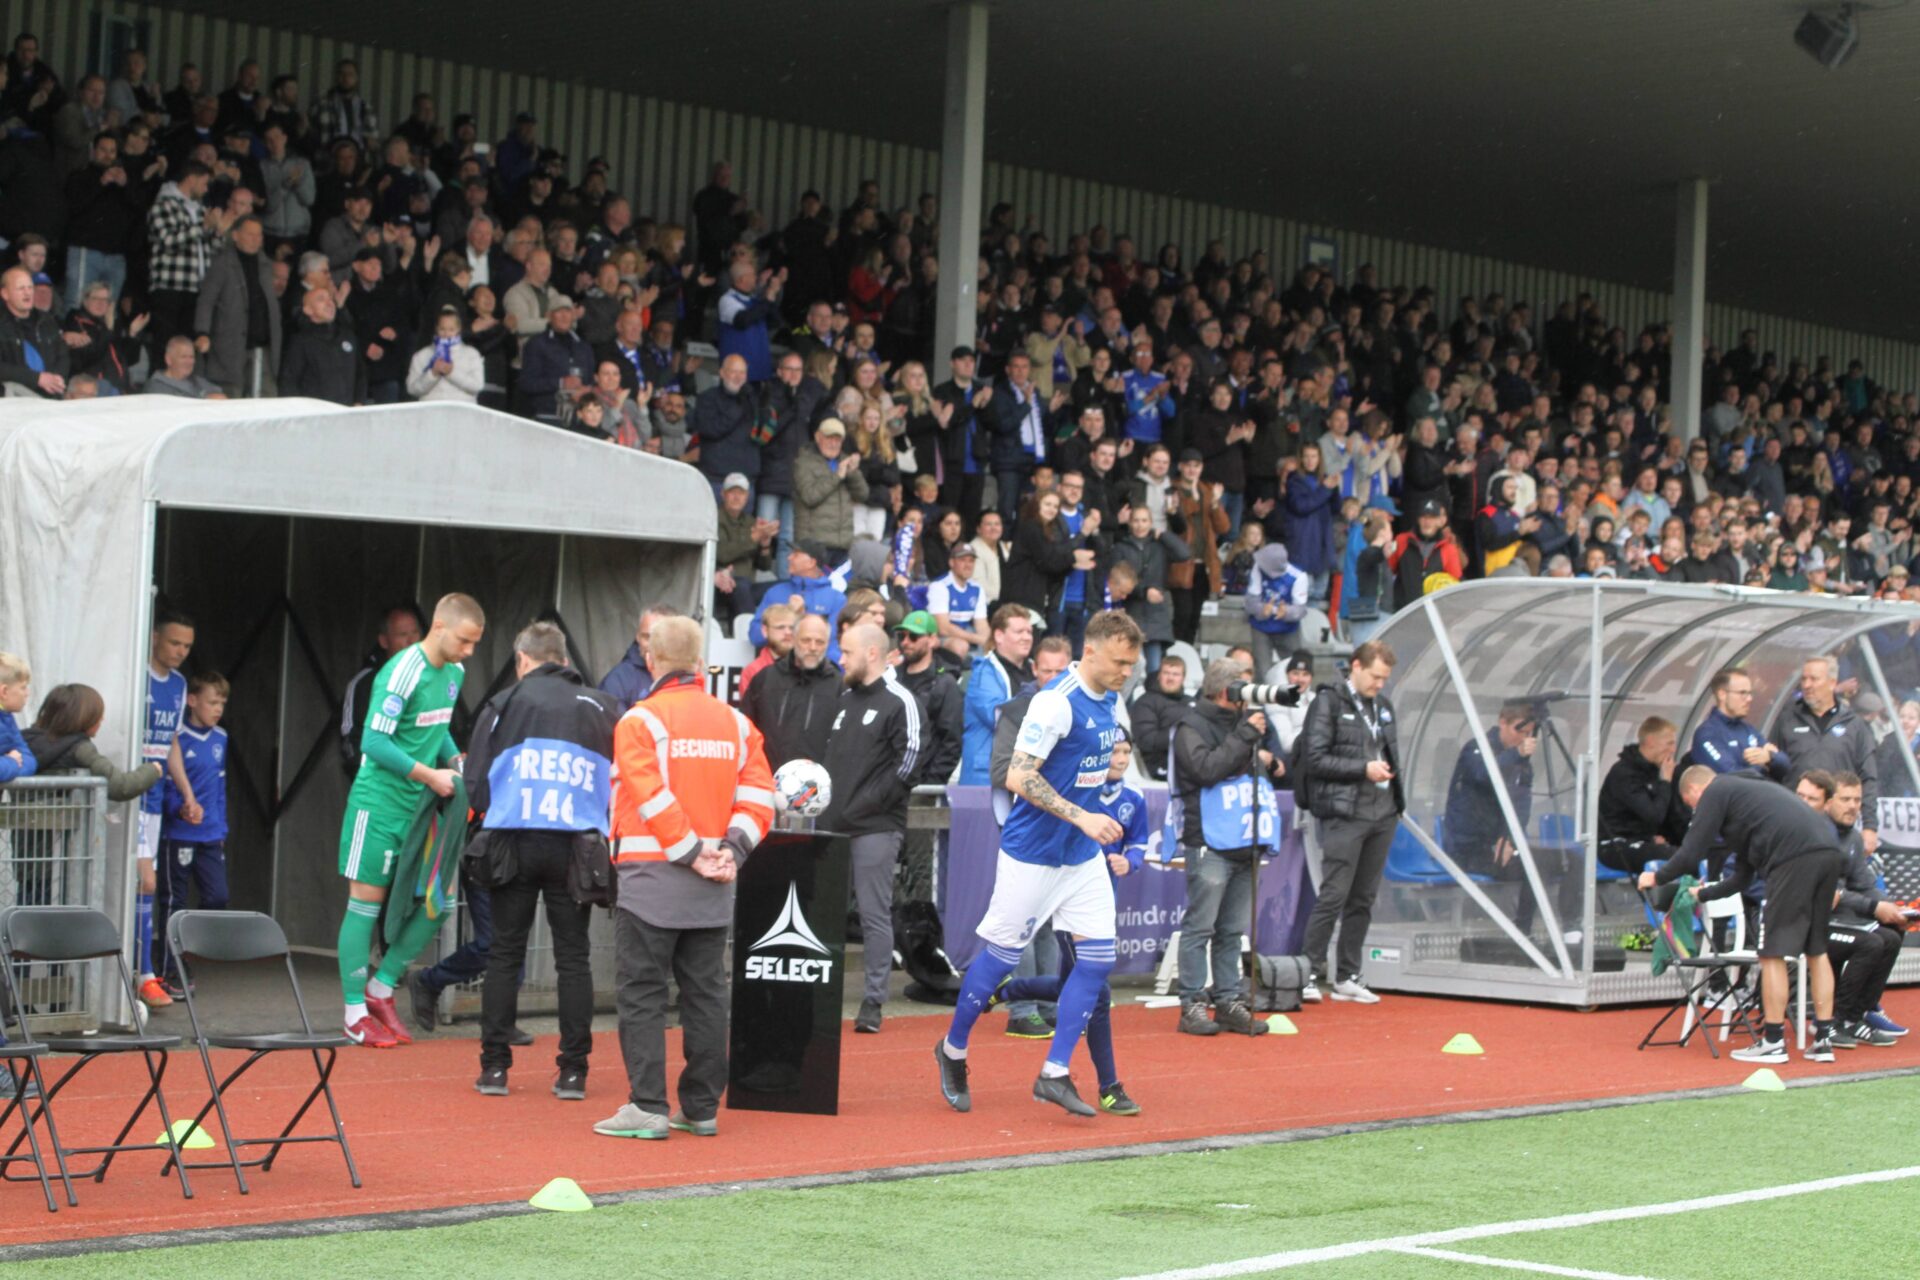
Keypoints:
(918, 623)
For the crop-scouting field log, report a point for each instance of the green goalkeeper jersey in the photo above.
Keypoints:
(409, 720)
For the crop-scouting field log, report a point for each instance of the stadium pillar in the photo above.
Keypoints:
(1689, 304)
(962, 179)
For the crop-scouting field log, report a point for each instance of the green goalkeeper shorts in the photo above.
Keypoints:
(370, 840)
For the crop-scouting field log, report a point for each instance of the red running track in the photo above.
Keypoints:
(425, 1139)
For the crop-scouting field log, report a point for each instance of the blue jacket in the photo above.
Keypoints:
(10, 740)
(1146, 421)
(1719, 742)
(1309, 524)
(743, 332)
(724, 424)
(987, 688)
(1005, 416)
(204, 753)
(818, 595)
(547, 359)
(629, 680)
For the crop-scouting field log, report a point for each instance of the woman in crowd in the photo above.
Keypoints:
(1043, 554)
(922, 417)
(874, 444)
(493, 340)
(1150, 604)
(1100, 386)
(1195, 577)
(991, 553)
(1307, 518)
(625, 422)
(947, 534)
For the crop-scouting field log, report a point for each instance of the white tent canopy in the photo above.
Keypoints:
(285, 527)
(1589, 660)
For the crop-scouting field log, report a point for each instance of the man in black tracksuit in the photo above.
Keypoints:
(792, 702)
(1818, 731)
(938, 692)
(1217, 741)
(539, 770)
(1637, 804)
(1776, 836)
(873, 757)
(1352, 788)
(1866, 929)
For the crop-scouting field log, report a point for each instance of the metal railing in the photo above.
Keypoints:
(53, 840)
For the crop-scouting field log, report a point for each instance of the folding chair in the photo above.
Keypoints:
(63, 935)
(242, 937)
(15, 1054)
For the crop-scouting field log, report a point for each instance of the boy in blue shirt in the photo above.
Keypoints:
(1126, 806)
(193, 848)
(16, 757)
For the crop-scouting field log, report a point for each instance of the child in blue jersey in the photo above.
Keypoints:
(172, 641)
(1128, 807)
(193, 853)
(1049, 865)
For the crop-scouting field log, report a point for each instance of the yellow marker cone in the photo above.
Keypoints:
(1281, 1025)
(188, 1135)
(1765, 1081)
(562, 1195)
(1463, 1044)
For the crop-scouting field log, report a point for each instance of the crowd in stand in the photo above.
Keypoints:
(1128, 428)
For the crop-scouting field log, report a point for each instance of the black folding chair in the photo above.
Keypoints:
(64, 935)
(241, 937)
(16, 1055)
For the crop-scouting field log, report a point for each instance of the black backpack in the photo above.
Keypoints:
(1298, 771)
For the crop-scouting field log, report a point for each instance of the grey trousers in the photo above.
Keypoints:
(697, 959)
(874, 858)
(1354, 854)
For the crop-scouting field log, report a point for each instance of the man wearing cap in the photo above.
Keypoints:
(873, 756)
(383, 308)
(1428, 548)
(963, 449)
(806, 588)
(744, 544)
(957, 604)
(554, 367)
(516, 154)
(827, 483)
(926, 670)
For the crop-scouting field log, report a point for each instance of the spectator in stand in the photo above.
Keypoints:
(1045, 553)
(873, 754)
(104, 213)
(133, 95)
(343, 237)
(555, 368)
(103, 351)
(827, 486)
(725, 420)
(343, 113)
(182, 234)
(383, 304)
(1429, 548)
(958, 605)
(745, 313)
(290, 190)
(1018, 418)
(179, 377)
(791, 403)
(237, 317)
(807, 588)
(777, 625)
(794, 699)
(1149, 555)
(529, 301)
(630, 679)
(323, 356)
(992, 551)
(1205, 520)
(34, 357)
(1306, 518)
(996, 676)
(1154, 713)
(31, 92)
(744, 544)
(447, 368)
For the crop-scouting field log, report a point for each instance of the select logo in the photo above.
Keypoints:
(790, 930)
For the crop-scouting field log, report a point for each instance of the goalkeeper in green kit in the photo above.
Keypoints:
(407, 747)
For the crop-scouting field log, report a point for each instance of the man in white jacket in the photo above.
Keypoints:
(447, 369)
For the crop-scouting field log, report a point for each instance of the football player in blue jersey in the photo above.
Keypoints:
(1049, 864)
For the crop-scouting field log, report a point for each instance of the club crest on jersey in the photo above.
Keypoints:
(868, 718)
(392, 706)
(453, 689)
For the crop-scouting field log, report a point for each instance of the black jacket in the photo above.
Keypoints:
(550, 702)
(1337, 749)
(1039, 565)
(1154, 714)
(941, 704)
(1210, 745)
(323, 361)
(1636, 803)
(793, 708)
(723, 423)
(1761, 821)
(792, 412)
(43, 331)
(873, 757)
(1836, 742)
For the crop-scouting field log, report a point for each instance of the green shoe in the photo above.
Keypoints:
(1031, 1027)
(631, 1122)
(1115, 1102)
(698, 1128)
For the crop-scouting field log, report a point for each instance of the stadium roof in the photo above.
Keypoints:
(1547, 132)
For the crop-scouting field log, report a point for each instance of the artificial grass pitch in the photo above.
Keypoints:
(1129, 1217)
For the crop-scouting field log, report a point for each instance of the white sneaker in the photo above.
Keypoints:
(1774, 1051)
(1355, 990)
(1310, 993)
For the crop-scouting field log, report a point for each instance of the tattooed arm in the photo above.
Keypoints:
(1024, 779)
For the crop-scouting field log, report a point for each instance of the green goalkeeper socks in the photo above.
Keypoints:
(356, 946)
(419, 931)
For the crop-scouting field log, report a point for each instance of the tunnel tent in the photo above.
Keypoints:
(1584, 661)
(285, 528)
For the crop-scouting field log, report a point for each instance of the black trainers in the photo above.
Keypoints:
(569, 1086)
(1060, 1092)
(953, 1077)
(492, 1082)
(1195, 1022)
(868, 1020)
(998, 999)
(1235, 1016)
(1115, 1102)
(1849, 1035)
(1819, 1049)
(425, 1001)
(1030, 1027)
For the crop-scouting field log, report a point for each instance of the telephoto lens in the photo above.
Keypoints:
(1246, 693)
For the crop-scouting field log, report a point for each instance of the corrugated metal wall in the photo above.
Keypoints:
(659, 152)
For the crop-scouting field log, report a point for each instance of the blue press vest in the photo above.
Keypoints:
(549, 784)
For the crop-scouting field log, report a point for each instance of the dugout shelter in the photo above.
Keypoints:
(1588, 660)
(285, 528)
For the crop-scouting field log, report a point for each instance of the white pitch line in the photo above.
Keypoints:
(1515, 1264)
(1630, 1213)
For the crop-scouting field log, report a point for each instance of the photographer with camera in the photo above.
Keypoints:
(1351, 786)
(1223, 812)
(1476, 830)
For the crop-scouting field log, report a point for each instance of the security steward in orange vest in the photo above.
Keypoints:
(692, 796)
